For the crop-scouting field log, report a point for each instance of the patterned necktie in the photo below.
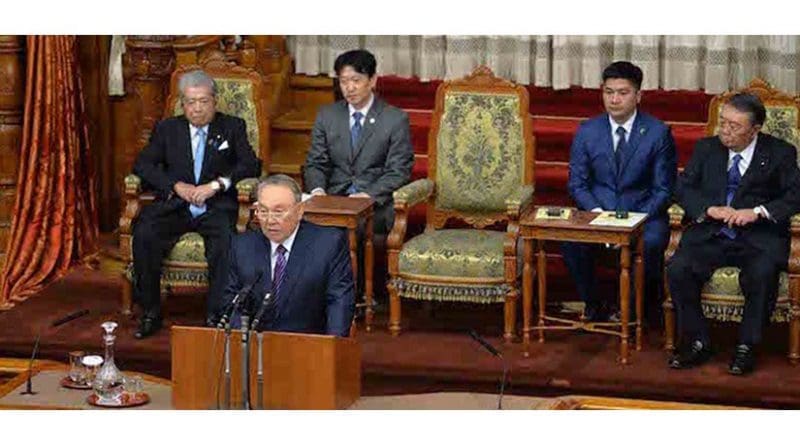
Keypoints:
(198, 168)
(734, 178)
(622, 144)
(355, 130)
(280, 267)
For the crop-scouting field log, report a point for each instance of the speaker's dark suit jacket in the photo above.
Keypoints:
(317, 296)
(379, 164)
(772, 180)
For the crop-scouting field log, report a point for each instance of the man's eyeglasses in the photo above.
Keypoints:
(204, 101)
(733, 127)
(266, 214)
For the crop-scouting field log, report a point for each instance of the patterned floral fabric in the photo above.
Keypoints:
(235, 97)
(189, 249)
(454, 265)
(722, 298)
(480, 152)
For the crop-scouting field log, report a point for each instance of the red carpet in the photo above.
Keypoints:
(434, 355)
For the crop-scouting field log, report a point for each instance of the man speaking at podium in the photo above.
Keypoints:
(304, 267)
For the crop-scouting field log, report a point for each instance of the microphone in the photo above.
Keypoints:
(237, 300)
(261, 310)
(29, 383)
(70, 317)
(492, 350)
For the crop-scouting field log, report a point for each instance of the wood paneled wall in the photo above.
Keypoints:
(12, 101)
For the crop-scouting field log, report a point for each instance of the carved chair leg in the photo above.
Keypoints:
(669, 318)
(794, 321)
(510, 309)
(127, 297)
(394, 309)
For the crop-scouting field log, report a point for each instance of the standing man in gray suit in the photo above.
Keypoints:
(360, 146)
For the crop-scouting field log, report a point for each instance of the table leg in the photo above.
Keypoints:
(624, 300)
(541, 270)
(368, 271)
(639, 277)
(353, 241)
(527, 294)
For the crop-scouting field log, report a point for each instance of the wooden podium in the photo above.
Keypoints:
(300, 371)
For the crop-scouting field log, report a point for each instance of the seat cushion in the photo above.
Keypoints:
(454, 265)
(722, 297)
(188, 251)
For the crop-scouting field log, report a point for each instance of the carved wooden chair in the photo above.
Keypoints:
(481, 161)
(239, 93)
(721, 297)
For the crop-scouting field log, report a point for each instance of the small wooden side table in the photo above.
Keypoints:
(578, 229)
(343, 211)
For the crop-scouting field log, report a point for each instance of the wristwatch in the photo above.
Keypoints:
(217, 185)
(759, 211)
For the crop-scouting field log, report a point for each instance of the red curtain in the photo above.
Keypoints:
(55, 223)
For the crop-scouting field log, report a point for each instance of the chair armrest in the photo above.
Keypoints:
(794, 244)
(131, 204)
(519, 201)
(676, 215)
(414, 193)
(245, 191)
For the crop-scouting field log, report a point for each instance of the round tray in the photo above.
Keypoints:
(66, 382)
(127, 400)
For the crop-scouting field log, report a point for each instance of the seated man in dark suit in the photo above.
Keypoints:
(304, 267)
(192, 162)
(739, 191)
(360, 146)
(623, 159)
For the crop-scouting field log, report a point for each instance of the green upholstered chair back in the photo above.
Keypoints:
(239, 93)
(481, 145)
(783, 112)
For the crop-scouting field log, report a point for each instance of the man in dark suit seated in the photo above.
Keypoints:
(360, 146)
(739, 191)
(304, 267)
(192, 162)
(623, 159)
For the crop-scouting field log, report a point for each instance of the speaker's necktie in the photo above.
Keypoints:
(198, 168)
(280, 268)
(734, 178)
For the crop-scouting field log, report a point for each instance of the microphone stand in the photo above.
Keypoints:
(29, 383)
(492, 350)
(245, 362)
(260, 371)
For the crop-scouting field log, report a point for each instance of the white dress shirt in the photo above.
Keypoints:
(627, 125)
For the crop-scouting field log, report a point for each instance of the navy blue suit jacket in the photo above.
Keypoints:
(317, 296)
(645, 182)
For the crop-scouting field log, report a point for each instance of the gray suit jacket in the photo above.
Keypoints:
(379, 165)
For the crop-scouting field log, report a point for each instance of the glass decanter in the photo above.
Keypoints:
(108, 381)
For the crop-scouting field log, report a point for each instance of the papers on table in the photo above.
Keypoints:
(609, 219)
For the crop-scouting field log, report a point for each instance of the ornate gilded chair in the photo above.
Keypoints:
(239, 93)
(721, 297)
(480, 154)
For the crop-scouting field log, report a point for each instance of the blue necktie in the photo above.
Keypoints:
(620, 150)
(355, 132)
(734, 178)
(280, 267)
(198, 168)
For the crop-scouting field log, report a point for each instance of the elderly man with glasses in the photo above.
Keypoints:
(295, 274)
(191, 163)
(739, 191)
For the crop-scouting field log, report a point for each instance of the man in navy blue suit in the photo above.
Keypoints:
(623, 159)
(304, 267)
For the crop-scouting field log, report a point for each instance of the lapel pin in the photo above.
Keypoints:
(372, 120)
(641, 131)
